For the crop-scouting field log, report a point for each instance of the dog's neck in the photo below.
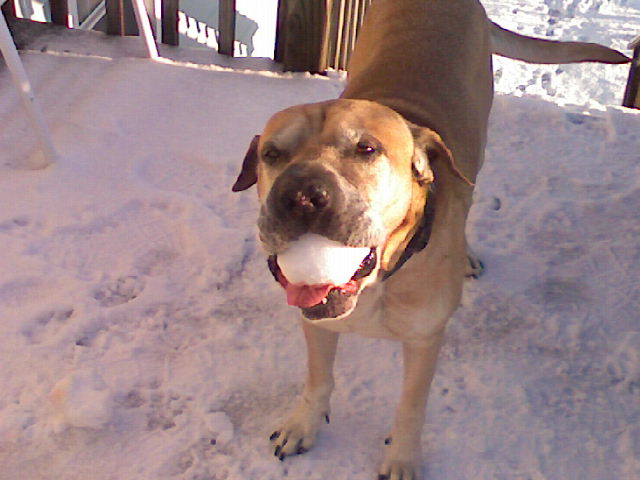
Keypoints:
(420, 238)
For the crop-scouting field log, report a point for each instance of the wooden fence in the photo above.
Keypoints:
(316, 35)
(311, 35)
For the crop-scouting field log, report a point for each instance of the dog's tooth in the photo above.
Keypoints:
(324, 301)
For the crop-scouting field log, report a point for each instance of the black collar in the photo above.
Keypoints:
(420, 239)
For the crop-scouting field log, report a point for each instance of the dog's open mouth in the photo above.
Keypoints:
(325, 300)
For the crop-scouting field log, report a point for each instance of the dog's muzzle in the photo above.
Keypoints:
(306, 198)
(309, 198)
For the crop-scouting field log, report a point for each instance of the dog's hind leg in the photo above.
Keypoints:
(297, 433)
(402, 458)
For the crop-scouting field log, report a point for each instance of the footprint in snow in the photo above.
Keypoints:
(46, 324)
(13, 224)
(119, 291)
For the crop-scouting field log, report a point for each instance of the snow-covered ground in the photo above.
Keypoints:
(142, 337)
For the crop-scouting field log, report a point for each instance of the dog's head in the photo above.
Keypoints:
(353, 171)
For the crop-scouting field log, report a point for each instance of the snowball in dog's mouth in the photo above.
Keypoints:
(321, 277)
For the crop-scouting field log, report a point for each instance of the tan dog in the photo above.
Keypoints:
(389, 166)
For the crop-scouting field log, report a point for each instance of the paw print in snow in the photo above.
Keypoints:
(119, 291)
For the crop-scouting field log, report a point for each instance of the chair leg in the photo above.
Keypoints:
(145, 28)
(25, 90)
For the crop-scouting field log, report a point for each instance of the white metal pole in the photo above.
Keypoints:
(145, 28)
(23, 85)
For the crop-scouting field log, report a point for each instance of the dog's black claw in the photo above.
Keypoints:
(383, 477)
(326, 419)
(478, 270)
(300, 449)
(276, 453)
(274, 435)
(387, 441)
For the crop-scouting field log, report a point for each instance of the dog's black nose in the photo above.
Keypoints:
(305, 196)
(309, 200)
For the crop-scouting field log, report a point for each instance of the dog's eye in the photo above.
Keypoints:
(271, 155)
(365, 148)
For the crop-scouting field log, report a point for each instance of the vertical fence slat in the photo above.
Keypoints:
(281, 31)
(337, 36)
(59, 12)
(363, 8)
(355, 23)
(115, 17)
(346, 36)
(170, 34)
(325, 53)
(226, 26)
(632, 92)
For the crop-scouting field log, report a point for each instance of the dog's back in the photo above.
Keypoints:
(433, 67)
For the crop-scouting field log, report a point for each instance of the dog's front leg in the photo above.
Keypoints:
(298, 433)
(402, 458)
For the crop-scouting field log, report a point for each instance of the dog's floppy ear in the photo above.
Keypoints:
(420, 165)
(429, 148)
(249, 172)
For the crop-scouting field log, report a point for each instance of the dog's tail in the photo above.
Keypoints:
(536, 50)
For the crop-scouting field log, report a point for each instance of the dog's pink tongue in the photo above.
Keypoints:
(305, 296)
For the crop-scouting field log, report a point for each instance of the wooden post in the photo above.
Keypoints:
(170, 34)
(281, 29)
(115, 19)
(306, 37)
(632, 92)
(120, 18)
(226, 26)
(59, 12)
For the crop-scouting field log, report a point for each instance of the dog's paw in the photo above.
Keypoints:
(400, 463)
(476, 267)
(298, 433)
(400, 471)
